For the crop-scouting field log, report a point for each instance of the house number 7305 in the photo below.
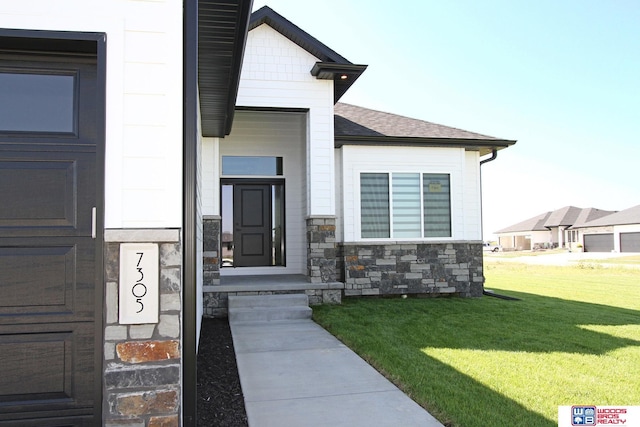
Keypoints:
(139, 290)
(139, 287)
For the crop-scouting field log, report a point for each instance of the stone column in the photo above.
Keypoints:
(142, 363)
(321, 249)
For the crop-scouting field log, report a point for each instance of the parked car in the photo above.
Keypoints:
(490, 247)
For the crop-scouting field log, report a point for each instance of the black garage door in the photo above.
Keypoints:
(629, 242)
(50, 304)
(598, 242)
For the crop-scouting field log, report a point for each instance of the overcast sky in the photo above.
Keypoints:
(560, 77)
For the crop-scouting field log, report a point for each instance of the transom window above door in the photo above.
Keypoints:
(251, 166)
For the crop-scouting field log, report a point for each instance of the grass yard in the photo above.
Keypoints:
(574, 338)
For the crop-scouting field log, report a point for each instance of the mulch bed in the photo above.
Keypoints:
(220, 399)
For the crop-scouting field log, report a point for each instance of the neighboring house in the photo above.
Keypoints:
(140, 159)
(618, 232)
(547, 230)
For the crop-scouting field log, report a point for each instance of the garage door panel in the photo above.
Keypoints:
(46, 367)
(630, 242)
(45, 196)
(598, 242)
(46, 280)
(49, 193)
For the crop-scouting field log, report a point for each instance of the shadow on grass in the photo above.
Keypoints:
(391, 334)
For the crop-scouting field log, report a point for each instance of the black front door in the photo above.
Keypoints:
(252, 234)
(50, 292)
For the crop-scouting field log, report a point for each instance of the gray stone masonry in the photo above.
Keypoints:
(211, 251)
(321, 249)
(413, 268)
(142, 362)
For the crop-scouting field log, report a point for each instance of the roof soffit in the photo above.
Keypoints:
(222, 33)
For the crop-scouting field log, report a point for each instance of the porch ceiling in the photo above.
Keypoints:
(222, 33)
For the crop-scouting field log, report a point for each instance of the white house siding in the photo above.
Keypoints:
(276, 74)
(465, 189)
(472, 203)
(276, 134)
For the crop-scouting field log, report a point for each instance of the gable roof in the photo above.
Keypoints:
(627, 216)
(563, 217)
(332, 66)
(590, 214)
(355, 125)
(532, 224)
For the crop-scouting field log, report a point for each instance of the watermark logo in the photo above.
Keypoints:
(583, 415)
(592, 415)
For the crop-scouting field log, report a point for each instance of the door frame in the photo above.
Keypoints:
(91, 44)
(259, 181)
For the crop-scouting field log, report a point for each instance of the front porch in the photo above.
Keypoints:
(216, 297)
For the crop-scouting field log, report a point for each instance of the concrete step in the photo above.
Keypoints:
(254, 301)
(257, 308)
(267, 314)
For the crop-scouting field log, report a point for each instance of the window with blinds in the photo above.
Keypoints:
(405, 205)
(374, 205)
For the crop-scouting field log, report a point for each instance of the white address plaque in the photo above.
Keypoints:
(139, 283)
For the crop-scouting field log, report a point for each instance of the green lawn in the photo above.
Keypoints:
(574, 338)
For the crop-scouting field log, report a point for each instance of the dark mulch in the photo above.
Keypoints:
(220, 399)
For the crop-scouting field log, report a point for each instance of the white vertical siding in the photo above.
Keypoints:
(144, 99)
(465, 189)
(210, 176)
(472, 204)
(276, 73)
(280, 135)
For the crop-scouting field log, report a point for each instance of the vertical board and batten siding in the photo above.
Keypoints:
(280, 135)
(276, 74)
(465, 188)
(144, 99)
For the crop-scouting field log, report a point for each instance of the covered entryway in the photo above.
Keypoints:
(598, 242)
(630, 242)
(50, 258)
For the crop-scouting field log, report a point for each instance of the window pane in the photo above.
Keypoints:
(437, 205)
(36, 102)
(251, 165)
(406, 205)
(374, 205)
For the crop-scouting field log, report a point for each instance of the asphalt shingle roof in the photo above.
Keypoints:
(627, 216)
(351, 120)
(532, 224)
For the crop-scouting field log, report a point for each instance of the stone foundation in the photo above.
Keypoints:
(142, 363)
(413, 268)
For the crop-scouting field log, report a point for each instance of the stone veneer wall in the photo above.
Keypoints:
(142, 363)
(211, 248)
(413, 268)
(321, 249)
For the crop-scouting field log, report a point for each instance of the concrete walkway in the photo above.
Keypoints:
(294, 373)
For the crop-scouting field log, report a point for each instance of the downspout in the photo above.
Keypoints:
(494, 155)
